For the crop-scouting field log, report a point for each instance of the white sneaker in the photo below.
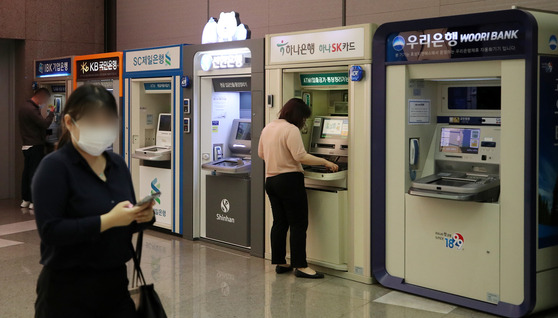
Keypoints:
(31, 206)
(25, 204)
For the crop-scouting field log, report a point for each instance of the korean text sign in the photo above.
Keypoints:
(166, 58)
(325, 45)
(475, 41)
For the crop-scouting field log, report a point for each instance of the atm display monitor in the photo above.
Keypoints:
(460, 140)
(240, 137)
(165, 122)
(244, 131)
(474, 97)
(335, 128)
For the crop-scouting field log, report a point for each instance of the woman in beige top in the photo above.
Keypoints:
(282, 150)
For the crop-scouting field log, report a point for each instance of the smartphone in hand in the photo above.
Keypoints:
(149, 198)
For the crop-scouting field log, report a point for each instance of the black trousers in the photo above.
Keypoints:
(31, 159)
(84, 293)
(289, 204)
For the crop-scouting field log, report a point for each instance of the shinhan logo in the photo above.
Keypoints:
(553, 42)
(168, 58)
(155, 187)
(41, 67)
(398, 43)
(225, 206)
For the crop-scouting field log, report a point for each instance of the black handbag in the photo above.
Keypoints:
(149, 303)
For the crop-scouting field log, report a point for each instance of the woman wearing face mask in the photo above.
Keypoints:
(85, 216)
(282, 150)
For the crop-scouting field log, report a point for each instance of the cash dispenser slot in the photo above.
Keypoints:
(153, 153)
(457, 176)
(162, 150)
(240, 148)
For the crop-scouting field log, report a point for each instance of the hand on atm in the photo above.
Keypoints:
(311, 160)
(331, 166)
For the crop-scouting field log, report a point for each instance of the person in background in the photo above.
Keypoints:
(33, 128)
(86, 225)
(282, 149)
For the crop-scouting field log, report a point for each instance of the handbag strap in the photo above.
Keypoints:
(137, 266)
(138, 252)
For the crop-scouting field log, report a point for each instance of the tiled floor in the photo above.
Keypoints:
(197, 279)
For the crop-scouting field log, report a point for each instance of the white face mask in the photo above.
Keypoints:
(94, 140)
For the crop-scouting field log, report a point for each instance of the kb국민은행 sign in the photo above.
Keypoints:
(324, 79)
(316, 46)
(475, 41)
(107, 67)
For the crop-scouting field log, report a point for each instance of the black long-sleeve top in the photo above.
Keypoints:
(32, 124)
(69, 200)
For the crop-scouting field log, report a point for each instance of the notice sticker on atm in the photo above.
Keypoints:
(419, 111)
(317, 122)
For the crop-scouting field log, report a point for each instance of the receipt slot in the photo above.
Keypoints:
(463, 155)
(336, 84)
(154, 125)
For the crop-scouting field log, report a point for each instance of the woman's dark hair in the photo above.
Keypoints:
(295, 111)
(87, 99)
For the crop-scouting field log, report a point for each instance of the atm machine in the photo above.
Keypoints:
(154, 126)
(55, 74)
(223, 179)
(330, 69)
(155, 170)
(104, 69)
(466, 164)
(464, 153)
(327, 193)
(227, 188)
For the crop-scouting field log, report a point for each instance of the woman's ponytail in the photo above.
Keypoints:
(64, 138)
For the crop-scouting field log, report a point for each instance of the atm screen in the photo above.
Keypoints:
(165, 122)
(474, 97)
(335, 128)
(244, 131)
(460, 140)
